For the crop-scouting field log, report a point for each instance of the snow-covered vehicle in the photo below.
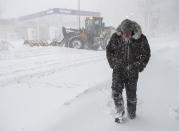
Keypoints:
(93, 36)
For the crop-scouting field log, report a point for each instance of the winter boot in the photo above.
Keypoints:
(119, 117)
(132, 115)
(131, 108)
(119, 105)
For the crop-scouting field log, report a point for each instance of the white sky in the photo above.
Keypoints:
(112, 10)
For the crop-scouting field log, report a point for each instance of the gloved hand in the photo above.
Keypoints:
(138, 66)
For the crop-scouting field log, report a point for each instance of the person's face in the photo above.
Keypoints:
(127, 34)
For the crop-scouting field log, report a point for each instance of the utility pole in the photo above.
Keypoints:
(79, 15)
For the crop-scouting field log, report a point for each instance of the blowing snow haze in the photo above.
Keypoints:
(47, 85)
(113, 11)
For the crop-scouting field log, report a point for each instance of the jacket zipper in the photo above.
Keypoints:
(128, 53)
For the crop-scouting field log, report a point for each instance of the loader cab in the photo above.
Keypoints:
(94, 25)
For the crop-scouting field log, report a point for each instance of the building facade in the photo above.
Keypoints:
(44, 25)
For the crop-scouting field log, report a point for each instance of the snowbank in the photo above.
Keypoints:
(6, 45)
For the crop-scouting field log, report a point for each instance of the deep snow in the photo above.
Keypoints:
(60, 89)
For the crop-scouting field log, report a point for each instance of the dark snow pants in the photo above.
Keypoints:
(120, 81)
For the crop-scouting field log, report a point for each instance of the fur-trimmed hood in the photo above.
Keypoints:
(136, 29)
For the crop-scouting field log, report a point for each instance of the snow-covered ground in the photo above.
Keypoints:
(60, 89)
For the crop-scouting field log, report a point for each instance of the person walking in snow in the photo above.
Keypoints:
(128, 53)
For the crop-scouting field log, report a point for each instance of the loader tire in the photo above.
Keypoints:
(76, 43)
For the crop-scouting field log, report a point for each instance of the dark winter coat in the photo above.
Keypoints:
(122, 55)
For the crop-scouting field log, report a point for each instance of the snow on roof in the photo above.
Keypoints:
(59, 11)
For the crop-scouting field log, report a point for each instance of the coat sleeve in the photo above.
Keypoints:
(110, 51)
(144, 56)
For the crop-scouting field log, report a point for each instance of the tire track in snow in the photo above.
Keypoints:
(48, 69)
(44, 64)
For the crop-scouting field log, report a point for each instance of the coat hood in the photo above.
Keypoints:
(129, 25)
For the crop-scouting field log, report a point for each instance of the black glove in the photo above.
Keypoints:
(137, 66)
